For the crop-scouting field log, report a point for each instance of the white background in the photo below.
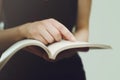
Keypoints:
(104, 28)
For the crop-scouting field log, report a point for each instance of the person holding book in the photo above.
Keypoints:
(47, 21)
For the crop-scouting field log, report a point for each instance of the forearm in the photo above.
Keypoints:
(82, 25)
(84, 8)
(8, 37)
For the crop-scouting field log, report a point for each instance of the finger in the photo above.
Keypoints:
(63, 30)
(46, 35)
(53, 31)
(40, 38)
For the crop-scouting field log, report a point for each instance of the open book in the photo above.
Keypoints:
(52, 50)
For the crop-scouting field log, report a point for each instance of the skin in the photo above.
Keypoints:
(41, 30)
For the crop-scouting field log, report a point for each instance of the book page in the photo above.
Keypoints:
(17, 46)
(57, 47)
(53, 48)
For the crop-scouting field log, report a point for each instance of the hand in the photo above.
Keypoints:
(46, 31)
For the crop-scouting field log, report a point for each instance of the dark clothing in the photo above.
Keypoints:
(27, 66)
(18, 12)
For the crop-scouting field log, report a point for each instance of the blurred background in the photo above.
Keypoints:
(104, 28)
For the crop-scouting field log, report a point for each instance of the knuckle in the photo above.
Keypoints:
(51, 19)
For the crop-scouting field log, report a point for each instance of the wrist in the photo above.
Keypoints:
(82, 35)
(22, 31)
